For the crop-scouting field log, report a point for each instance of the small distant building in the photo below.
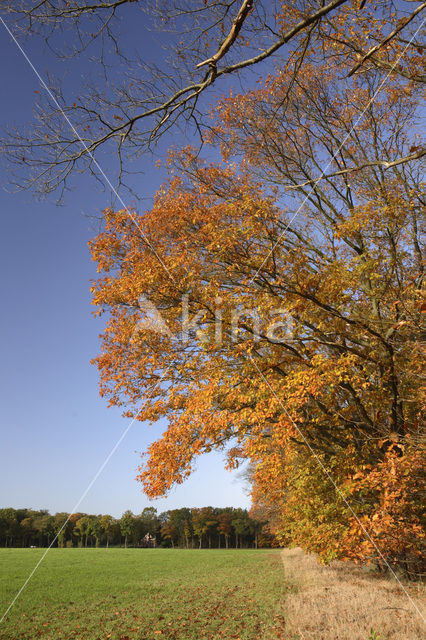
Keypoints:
(149, 541)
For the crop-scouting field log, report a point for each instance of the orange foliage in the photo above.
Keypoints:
(340, 258)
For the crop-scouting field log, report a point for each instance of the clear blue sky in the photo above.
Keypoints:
(55, 429)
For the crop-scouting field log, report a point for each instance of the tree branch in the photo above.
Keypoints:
(393, 33)
(245, 8)
(376, 163)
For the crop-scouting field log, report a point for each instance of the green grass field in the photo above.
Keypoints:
(142, 594)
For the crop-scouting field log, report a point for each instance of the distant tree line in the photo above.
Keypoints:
(205, 527)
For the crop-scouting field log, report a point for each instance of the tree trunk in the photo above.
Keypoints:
(125, 542)
(201, 540)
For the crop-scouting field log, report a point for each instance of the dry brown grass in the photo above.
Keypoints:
(344, 602)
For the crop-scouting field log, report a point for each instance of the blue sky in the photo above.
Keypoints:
(55, 429)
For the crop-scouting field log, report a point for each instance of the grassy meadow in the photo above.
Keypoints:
(143, 594)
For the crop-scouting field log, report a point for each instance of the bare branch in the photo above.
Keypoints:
(376, 163)
(246, 7)
(151, 100)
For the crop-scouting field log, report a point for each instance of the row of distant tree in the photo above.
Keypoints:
(205, 527)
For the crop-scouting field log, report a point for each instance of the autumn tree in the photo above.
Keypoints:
(202, 522)
(200, 525)
(224, 526)
(170, 531)
(305, 242)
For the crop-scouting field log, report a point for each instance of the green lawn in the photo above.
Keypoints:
(142, 594)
